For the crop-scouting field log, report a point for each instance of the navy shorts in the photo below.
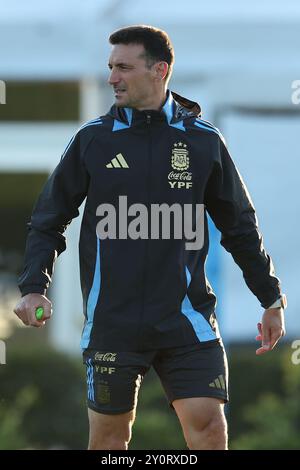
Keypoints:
(114, 378)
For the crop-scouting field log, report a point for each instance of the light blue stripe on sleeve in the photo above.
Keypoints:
(92, 301)
(94, 122)
(201, 326)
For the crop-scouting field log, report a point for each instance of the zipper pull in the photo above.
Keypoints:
(148, 119)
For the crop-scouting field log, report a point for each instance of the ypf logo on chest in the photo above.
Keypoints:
(179, 178)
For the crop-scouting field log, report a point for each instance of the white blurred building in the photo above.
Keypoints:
(237, 59)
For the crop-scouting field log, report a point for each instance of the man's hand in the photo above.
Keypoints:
(27, 306)
(271, 329)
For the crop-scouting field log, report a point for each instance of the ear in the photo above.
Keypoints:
(161, 70)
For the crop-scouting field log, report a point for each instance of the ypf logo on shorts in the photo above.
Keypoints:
(2, 352)
(105, 357)
(105, 370)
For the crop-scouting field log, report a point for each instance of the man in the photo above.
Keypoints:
(146, 299)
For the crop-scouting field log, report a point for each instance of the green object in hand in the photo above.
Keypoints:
(39, 312)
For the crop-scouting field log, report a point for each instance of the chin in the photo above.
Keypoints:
(121, 103)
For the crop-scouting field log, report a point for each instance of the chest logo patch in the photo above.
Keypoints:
(180, 162)
(180, 159)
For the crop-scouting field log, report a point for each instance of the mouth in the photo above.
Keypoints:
(119, 91)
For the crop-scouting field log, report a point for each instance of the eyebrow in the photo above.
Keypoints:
(118, 64)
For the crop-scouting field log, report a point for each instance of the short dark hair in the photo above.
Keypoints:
(156, 42)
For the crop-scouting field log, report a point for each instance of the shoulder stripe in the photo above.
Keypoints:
(206, 123)
(93, 122)
(208, 127)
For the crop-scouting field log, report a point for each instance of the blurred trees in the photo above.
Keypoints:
(42, 395)
(271, 417)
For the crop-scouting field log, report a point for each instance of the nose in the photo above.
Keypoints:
(113, 78)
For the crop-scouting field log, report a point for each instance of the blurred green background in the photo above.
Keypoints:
(43, 396)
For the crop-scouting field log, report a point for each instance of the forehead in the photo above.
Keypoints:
(129, 53)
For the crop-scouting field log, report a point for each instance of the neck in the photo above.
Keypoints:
(155, 102)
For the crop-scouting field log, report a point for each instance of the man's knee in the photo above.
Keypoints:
(110, 432)
(203, 422)
(211, 434)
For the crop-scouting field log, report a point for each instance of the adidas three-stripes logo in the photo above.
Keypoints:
(218, 383)
(118, 162)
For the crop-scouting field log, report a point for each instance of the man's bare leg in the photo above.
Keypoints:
(203, 423)
(110, 432)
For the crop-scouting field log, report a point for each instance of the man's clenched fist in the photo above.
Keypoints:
(27, 306)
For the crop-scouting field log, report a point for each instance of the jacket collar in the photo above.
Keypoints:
(175, 109)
